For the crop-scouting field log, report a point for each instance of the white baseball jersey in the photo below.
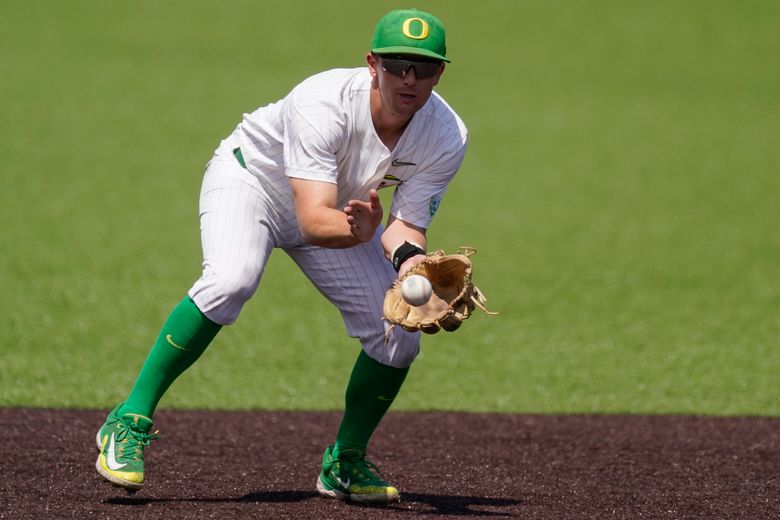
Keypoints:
(322, 130)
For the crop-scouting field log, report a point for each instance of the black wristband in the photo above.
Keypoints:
(403, 252)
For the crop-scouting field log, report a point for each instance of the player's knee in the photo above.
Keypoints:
(236, 287)
(221, 296)
(399, 350)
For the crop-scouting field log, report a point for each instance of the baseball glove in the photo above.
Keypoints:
(453, 299)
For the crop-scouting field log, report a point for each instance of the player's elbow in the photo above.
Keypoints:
(307, 230)
(307, 223)
(309, 235)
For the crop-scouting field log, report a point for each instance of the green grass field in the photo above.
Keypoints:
(622, 188)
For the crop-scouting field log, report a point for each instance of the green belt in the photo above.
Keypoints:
(239, 157)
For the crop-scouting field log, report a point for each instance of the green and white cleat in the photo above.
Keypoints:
(347, 475)
(121, 441)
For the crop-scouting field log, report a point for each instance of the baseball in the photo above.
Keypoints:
(416, 290)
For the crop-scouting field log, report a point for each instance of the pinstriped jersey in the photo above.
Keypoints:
(322, 130)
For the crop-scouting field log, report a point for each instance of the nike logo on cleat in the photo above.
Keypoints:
(111, 461)
(344, 483)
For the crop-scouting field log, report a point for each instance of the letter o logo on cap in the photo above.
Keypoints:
(425, 29)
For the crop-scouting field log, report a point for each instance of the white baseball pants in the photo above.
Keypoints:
(241, 224)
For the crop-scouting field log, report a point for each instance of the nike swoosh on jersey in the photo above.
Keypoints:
(111, 457)
(396, 162)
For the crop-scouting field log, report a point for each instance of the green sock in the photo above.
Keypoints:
(371, 390)
(184, 337)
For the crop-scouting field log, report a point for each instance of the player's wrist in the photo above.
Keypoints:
(405, 252)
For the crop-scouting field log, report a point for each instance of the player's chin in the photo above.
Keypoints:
(406, 104)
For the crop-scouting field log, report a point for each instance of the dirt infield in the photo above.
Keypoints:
(264, 465)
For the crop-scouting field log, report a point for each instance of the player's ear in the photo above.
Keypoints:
(438, 74)
(372, 63)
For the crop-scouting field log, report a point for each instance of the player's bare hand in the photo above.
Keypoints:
(409, 263)
(364, 216)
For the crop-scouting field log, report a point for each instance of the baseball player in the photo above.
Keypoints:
(302, 175)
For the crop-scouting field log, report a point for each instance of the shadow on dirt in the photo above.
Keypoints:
(439, 504)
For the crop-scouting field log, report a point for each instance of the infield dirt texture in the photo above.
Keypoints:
(621, 187)
(264, 465)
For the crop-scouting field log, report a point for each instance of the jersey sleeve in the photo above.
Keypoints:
(312, 132)
(417, 199)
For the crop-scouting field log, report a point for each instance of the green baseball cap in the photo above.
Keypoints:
(410, 31)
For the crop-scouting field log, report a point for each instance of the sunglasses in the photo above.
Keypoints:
(399, 66)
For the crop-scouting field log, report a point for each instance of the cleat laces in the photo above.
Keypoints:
(131, 442)
(360, 470)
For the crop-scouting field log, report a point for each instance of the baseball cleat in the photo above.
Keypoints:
(121, 441)
(347, 475)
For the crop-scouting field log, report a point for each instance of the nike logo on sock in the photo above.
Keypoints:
(169, 339)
